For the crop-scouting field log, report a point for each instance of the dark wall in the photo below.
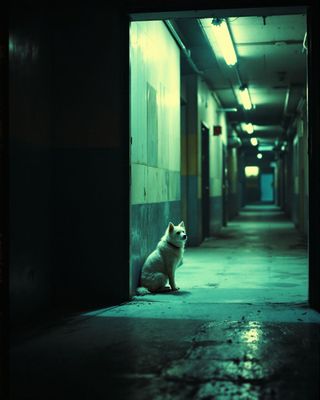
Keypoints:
(90, 157)
(252, 189)
(314, 155)
(30, 165)
(69, 175)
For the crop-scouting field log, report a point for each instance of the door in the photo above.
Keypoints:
(266, 187)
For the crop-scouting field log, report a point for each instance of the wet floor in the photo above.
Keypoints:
(259, 257)
(239, 328)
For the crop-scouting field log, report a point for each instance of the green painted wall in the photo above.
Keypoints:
(155, 137)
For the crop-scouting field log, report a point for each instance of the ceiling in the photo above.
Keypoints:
(271, 61)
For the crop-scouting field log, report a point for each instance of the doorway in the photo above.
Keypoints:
(266, 187)
(267, 195)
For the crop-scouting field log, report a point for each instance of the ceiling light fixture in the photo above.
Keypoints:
(228, 109)
(218, 34)
(247, 128)
(254, 141)
(221, 31)
(265, 147)
(251, 171)
(259, 155)
(245, 97)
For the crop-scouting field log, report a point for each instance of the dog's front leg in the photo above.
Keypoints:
(171, 271)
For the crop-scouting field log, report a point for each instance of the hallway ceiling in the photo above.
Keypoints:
(271, 61)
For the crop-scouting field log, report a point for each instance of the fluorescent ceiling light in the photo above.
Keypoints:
(265, 147)
(250, 128)
(218, 34)
(245, 98)
(247, 127)
(251, 171)
(228, 109)
(254, 141)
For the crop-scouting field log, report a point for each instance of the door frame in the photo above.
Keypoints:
(146, 11)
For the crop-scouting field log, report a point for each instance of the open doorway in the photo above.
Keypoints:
(212, 110)
(267, 187)
(239, 326)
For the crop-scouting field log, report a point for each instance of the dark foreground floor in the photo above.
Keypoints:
(190, 344)
(123, 358)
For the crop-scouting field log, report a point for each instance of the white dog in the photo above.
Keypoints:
(161, 264)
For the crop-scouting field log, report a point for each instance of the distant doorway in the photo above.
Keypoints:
(267, 187)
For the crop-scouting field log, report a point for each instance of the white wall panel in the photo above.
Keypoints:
(155, 111)
(157, 187)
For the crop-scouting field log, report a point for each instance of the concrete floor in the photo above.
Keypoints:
(239, 328)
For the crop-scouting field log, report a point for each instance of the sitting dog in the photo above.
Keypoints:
(161, 264)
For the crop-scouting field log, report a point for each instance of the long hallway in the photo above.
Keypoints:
(239, 328)
(258, 258)
(160, 121)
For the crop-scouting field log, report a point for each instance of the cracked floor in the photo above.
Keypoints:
(239, 328)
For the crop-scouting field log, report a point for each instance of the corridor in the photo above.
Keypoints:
(258, 258)
(239, 328)
(121, 119)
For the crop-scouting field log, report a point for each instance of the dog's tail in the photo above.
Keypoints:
(142, 291)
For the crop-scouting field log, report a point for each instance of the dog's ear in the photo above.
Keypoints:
(181, 224)
(171, 227)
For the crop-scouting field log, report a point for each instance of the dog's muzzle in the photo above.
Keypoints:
(184, 237)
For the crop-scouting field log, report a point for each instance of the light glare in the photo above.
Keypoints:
(247, 128)
(251, 171)
(265, 147)
(220, 35)
(224, 42)
(254, 141)
(245, 98)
